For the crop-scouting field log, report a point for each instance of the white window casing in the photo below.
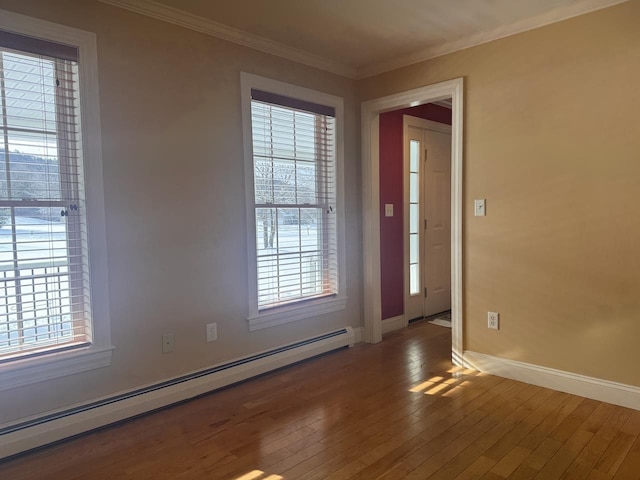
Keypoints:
(54, 312)
(293, 149)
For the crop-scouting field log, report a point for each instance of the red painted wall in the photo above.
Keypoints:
(391, 228)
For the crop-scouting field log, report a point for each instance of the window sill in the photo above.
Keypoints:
(293, 313)
(38, 369)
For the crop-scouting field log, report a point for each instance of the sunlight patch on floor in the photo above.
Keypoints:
(251, 475)
(436, 389)
(438, 384)
(258, 475)
(424, 385)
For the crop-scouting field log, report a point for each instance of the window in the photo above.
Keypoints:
(45, 281)
(414, 217)
(43, 302)
(294, 203)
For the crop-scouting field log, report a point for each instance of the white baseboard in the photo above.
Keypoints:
(589, 387)
(37, 431)
(394, 323)
(358, 333)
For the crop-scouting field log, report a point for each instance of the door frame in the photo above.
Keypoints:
(429, 125)
(370, 116)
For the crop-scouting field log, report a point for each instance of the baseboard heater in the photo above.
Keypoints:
(35, 432)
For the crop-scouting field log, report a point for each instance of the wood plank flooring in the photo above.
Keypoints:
(390, 411)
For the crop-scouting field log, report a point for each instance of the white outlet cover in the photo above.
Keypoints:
(388, 209)
(493, 320)
(212, 332)
(167, 343)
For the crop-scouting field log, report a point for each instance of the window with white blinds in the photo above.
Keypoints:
(294, 168)
(44, 277)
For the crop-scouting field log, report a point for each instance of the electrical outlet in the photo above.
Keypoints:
(212, 332)
(493, 320)
(167, 343)
(480, 207)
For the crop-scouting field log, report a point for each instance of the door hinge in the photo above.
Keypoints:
(425, 292)
(425, 154)
(425, 223)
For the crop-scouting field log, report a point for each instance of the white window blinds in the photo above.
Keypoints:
(44, 278)
(295, 199)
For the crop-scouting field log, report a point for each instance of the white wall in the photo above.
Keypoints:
(174, 198)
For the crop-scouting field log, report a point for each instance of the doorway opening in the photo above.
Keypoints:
(427, 214)
(371, 112)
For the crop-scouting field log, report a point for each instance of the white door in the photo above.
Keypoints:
(427, 194)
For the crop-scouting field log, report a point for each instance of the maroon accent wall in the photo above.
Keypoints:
(391, 228)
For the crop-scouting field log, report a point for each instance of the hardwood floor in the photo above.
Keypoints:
(389, 411)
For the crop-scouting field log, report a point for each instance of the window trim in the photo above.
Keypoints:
(24, 371)
(305, 308)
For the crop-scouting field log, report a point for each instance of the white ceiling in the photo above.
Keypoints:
(363, 37)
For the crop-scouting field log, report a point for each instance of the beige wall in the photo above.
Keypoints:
(174, 197)
(552, 141)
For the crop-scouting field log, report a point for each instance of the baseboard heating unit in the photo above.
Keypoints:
(37, 431)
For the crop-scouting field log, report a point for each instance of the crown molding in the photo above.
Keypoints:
(554, 16)
(184, 19)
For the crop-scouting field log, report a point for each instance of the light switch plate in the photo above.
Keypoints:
(388, 209)
(480, 210)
